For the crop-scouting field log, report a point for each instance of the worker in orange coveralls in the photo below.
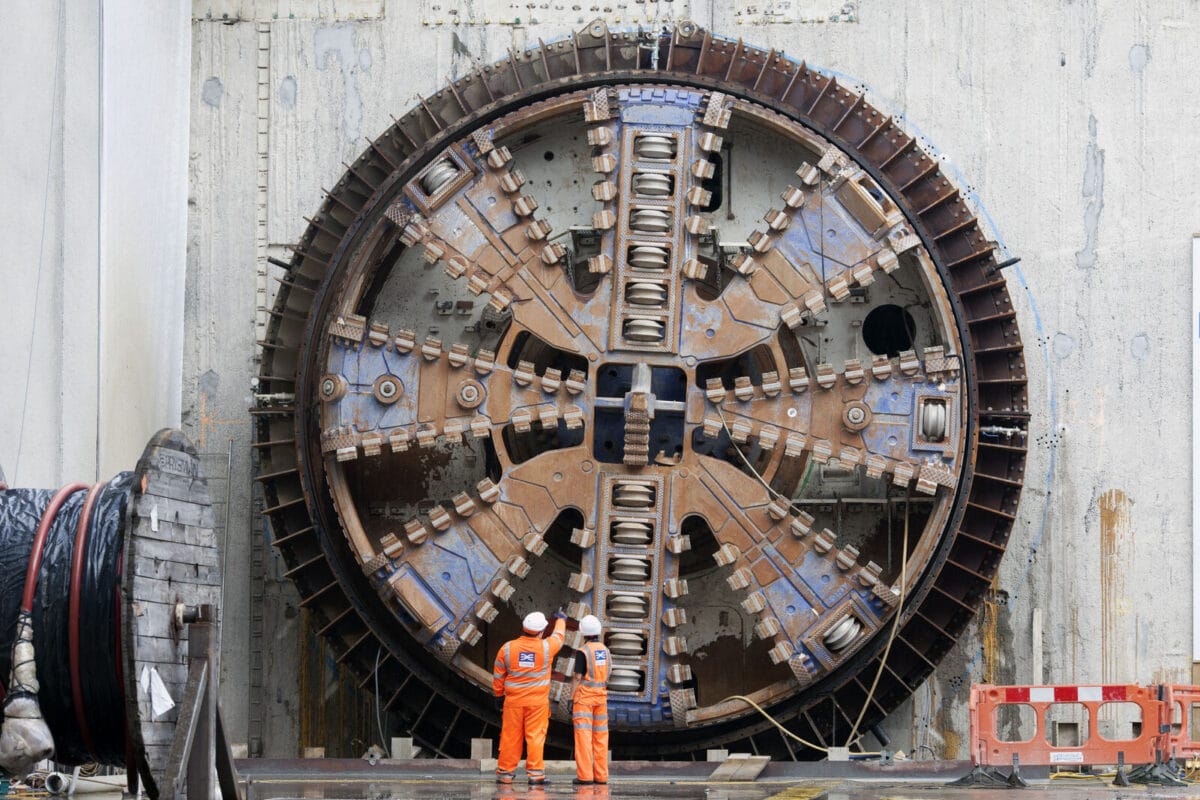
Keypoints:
(521, 684)
(589, 712)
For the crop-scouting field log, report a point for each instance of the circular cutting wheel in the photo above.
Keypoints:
(664, 329)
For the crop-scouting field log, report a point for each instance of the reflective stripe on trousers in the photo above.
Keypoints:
(591, 740)
(523, 725)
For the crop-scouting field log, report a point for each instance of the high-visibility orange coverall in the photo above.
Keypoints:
(590, 715)
(521, 675)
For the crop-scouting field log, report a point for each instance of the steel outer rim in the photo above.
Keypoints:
(319, 510)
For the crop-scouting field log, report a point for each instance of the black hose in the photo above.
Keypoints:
(103, 697)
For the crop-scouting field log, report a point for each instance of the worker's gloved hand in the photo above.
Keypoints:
(499, 703)
(560, 614)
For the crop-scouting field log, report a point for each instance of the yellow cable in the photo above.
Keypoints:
(774, 722)
(892, 636)
(750, 466)
(895, 624)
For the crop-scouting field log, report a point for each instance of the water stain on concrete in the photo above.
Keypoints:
(1093, 196)
(1064, 345)
(1139, 56)
(335, 45)
(1139, 346)
(212, 92)
(287, 92)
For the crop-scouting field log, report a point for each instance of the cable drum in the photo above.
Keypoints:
(103, 704)
(90, 582)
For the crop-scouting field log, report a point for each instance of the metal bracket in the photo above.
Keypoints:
(200, 750)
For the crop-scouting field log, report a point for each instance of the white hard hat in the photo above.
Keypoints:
(589, 625)
(535, 622)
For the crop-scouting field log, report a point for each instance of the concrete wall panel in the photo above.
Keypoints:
(1075, 128)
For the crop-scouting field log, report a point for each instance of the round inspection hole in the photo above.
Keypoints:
(888, 329)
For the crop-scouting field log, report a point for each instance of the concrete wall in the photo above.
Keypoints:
(94, 143)
(1074, 123)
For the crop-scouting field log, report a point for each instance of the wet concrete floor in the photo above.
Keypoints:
(431, 788)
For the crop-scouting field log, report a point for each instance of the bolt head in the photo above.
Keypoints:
(470, 394)
(856, 416)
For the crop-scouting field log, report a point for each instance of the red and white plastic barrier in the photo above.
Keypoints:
(1153, 738)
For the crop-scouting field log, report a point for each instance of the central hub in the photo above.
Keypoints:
(635, 393)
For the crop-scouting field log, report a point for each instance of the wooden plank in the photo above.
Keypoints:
(146, 592)
(199, 516)
(162, 652)
(166, 571)
(182, 553)
(178, 487)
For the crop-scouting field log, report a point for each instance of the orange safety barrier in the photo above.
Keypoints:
(1183, 713)
(1163, 729)
(988, 748)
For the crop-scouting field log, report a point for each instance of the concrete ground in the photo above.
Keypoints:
(455, 789)
(438, 780)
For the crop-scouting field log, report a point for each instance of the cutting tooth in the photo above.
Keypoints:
(599, 137)
(627, 644)
(441, 173)
(653, 184)
(646, 294)
(641, 329)
(629, 494)
(650, 220)
(650, 257)
(629, 606)
(650, 146)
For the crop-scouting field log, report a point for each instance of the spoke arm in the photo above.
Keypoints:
(485, 231)
(389, 391)
(836, 229)
(485, 541)
(892, 419)
(796, 583)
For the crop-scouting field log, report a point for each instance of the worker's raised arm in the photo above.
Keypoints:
(559, 634)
